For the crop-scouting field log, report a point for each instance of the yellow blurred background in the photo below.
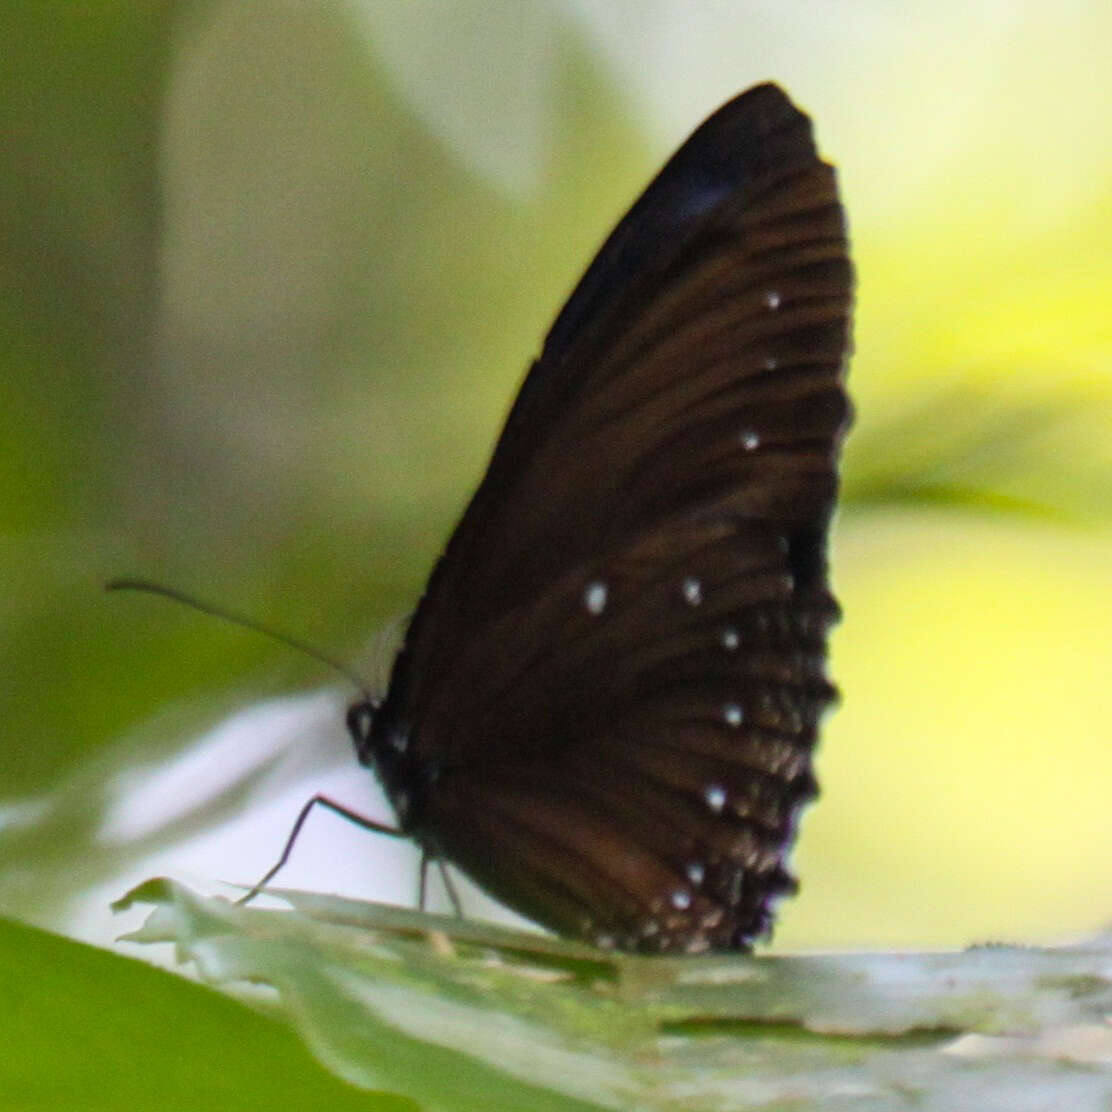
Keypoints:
(272, 273)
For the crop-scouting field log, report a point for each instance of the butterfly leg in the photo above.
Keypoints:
(449, 887)
(337, 808)
(423, 879)
(423, 886)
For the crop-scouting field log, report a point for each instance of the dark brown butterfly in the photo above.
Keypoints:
(607, 699)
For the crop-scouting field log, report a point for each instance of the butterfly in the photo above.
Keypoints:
(606, 702)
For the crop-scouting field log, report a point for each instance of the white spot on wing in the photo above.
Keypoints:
(692, 591)
(594, 597)
(715, 797)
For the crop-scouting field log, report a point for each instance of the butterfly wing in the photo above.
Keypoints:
(607, 699)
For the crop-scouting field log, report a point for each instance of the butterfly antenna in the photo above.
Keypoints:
(240, 620)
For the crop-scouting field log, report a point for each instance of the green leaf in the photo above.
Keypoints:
(459, 1015)
(1037, 454)
(87, 1029)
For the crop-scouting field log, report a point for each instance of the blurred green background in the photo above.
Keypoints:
(271, 274)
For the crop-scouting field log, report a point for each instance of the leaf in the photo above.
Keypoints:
(1038, 455)
(87, 1029)
(458, 1015)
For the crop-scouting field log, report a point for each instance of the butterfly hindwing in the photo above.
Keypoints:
(690, 751)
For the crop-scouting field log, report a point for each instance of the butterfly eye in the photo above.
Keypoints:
(360, 721)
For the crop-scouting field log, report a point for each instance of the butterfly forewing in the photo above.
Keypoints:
(607, 699)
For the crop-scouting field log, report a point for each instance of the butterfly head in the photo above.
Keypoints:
(381, 741)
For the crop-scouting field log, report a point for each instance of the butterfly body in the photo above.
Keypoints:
(607, 698)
